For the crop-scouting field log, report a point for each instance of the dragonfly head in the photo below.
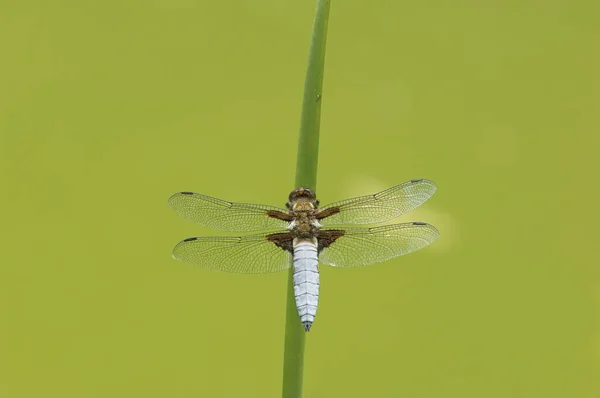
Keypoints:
(302, 199)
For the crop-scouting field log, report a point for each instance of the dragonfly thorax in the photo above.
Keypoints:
(305, 225)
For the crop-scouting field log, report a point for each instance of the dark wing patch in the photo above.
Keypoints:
(279, 215)
(328, 212)
(328, 236)
(283, 240)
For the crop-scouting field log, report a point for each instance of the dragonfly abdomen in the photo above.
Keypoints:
(306, 281)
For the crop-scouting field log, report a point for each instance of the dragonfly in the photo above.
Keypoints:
(304, 235)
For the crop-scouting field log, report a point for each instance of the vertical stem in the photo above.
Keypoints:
(306, 176)
(310, 121)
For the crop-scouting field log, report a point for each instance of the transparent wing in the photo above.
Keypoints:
(228, 216)
(379, 207)
(253, 254)
(364, 246)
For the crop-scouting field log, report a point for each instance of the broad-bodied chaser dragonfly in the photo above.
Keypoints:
(304, 235)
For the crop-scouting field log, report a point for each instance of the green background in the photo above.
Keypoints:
(107, 108)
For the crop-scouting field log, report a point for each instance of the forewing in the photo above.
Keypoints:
(253, 254)
(382, 206)
(228, 216)
(365, 246)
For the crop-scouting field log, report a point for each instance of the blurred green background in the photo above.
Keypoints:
(107, 108)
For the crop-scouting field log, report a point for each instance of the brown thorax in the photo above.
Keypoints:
(302, 204)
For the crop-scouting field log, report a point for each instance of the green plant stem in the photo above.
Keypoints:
(306, 176)
(308, 143)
